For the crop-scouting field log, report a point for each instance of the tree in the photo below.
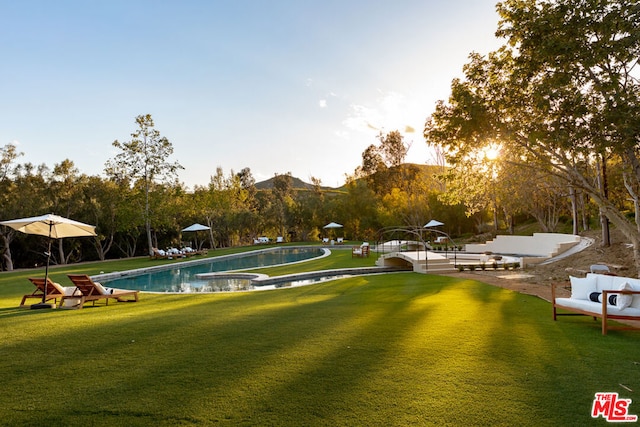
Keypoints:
(283, 201)
(382, 164)
(65, 193)
(30, 196)
(8, 157)
(561, 93)
(393, 148)
(144, 158)
(102, 199)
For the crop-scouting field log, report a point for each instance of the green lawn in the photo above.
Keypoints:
(397, 349)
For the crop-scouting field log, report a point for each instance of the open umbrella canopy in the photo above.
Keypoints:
(333, 225)
(196, 227)
(53, 227)
(50, 225)
(433, 223)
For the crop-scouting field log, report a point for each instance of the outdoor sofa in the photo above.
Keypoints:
(625, 305)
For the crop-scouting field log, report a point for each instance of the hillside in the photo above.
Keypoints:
(299, 184)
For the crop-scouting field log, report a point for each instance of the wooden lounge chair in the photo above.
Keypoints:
(157, 254)
(54, 290)
(361, 251)
(94, 291)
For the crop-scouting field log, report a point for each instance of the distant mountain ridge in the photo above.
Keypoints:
(296, 183)
(299, 184)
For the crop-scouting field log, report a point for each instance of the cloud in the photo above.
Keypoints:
(322, 103)
(390, 111)
(342, 134)
(362, 118)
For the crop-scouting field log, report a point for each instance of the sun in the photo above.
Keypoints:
(492, 152)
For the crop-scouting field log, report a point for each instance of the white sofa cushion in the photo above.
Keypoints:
(582, 287)
(623, 300)
(595, 307)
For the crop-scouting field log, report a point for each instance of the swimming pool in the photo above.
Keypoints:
(182, 278)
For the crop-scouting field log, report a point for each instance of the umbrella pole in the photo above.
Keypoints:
(46, 273)
(44, 304)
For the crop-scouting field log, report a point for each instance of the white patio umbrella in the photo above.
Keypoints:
(195, 228)
(332, 225)
(53, 227)
(433, 223)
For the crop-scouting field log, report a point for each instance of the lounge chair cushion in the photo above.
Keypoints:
(102, 289)
(65, 290)
(582, 287)
(71, 290)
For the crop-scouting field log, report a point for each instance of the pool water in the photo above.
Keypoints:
(182, 277)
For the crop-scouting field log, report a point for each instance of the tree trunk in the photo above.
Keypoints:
(602, 183)
(61, 255)
(574, 209)
(634, 198)
(629, 230)
(6, 253)
(585, 216)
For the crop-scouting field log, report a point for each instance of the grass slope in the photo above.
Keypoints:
(398, 349)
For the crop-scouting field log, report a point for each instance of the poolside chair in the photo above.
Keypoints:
(360, 251)
(94, 291)
(54, 290)
(158, 254)
(599, 268)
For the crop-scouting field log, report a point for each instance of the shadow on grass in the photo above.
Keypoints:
(393, 349)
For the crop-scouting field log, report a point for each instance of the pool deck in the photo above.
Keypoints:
(263, 279)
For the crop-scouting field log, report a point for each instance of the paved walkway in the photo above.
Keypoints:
(584, 243)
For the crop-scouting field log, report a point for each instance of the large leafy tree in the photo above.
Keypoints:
(561, 95)
(145, 159)
(381, 164)
(283, 196)
(66, 197)
(8, 157)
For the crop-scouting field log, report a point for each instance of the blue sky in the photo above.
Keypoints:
(277, 86)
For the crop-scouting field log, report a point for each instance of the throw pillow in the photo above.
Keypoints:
(582, 287)
(624, 300)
